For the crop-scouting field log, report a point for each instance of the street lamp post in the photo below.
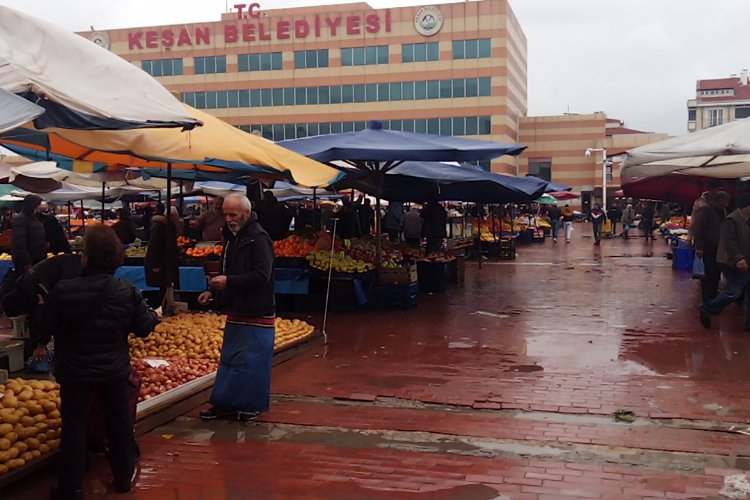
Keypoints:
(589, 152)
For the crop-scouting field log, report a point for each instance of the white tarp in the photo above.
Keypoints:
(722, 151)
(70, 70)
(46, 176)
(15, 111)
(70, 192)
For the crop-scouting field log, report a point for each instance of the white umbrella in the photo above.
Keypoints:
(80, 84)
(722, 152)
(15, 110)
(70, 192)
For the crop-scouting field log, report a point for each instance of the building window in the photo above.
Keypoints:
(304, 59)
(714, 117)
(360, 56)
(691, 114)
(265, 61)
(541, 167)
(163, 67)
(211, 64)
(472, 49)
(742, 112)
(420, 52)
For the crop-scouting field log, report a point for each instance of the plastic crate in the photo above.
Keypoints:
(682, 259)
(398, 296)
(432, 276)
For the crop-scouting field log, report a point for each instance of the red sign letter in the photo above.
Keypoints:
(352, 25)
(185, 38)
(134, 40)
(253, 10)
(152, 39)
(239, 7)
(262, 34)
(301, 28)
(230, 33)
(372, 23)
(333, 24)
(282, 30)
(167, 38)
(203, 35)
(248, 32)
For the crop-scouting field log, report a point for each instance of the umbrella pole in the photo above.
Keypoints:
(102, 203)
(328, 287)
(378, 235)
(70, 227)
(83, 218)
(314, 209)
(168, 301)
(479, 234)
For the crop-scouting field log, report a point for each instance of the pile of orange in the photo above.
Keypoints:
(184, 241)
(205, 251)
(294, 246)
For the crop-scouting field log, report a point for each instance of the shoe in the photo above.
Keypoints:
(567, 241)
(597, 243)
(705, 317)
(247, 416)
(125, 485)
(214, 412)
(554, 240)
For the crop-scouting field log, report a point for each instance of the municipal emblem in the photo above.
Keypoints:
(428, 21)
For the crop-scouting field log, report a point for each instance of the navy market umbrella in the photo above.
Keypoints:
(15, 110)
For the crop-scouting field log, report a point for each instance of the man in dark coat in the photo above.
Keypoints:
(162, 272)
(91, 317)
(29, 242)
(434, 219)
(242, 388)
(706, 229)
(53, 231)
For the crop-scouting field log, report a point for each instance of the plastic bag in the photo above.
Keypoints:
(699, 268)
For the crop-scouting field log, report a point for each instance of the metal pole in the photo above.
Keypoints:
(83, 218)
(102, 203)
(604, 180)
(168, 300)
(328, 288)
(314, 209)
(70, 227)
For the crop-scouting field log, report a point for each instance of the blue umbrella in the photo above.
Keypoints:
(420, 181)
(552, 187)
(376, 144)
(15, 110)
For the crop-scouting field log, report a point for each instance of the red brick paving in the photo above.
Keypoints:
(576, 331)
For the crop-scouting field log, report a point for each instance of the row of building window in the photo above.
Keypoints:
(303, 59)
(716, 116)
(337, 94)
(714, 92)
(456, 125)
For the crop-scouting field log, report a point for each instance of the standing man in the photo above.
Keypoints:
(434, 220)
(613, 215)
(366, 216)
(246, 289)
(647, 220)
(597, 217)
(412, 227)
(29, 244)
(733, 256)
(714, 186)
(628, 218)
(211, 222)
(706, 228)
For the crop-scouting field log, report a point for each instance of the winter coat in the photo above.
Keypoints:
(29, 243)
(55, 234)
(90, 318)
(734, 241)
(628, 216)
(155, 263)
(434, 219)
(247, 262)
(706, 228)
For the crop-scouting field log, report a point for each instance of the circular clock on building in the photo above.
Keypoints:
(100, 38)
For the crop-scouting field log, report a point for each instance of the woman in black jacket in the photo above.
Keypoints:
(91, 317)
(162, 266)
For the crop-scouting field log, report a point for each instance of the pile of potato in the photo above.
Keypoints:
(188, 335)
(199, 336)
(29, 421)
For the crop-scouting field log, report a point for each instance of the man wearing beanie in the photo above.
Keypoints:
(29, 242)
(733, 257)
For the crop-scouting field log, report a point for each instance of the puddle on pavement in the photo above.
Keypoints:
(463, 344)
(525, 368)
(490, 314)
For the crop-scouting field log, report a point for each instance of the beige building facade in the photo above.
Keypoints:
(556, 150)
(452, 69)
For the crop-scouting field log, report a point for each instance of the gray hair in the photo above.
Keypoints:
(241, 199)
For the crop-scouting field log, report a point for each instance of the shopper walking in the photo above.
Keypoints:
(706, 227)
(91, 317)
(568, 216)
(733, 256)
(161, 264)
(434, 220)
(597, 218)
(613, 215)
(412, 227)
(647, 220)
(628, 218)
(555, 217)
(245, 288)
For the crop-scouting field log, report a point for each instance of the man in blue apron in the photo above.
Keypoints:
(246, 291)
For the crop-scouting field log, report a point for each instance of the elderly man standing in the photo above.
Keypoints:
(733, 257)
(246, 290)
(706, 227)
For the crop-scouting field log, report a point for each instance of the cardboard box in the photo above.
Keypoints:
(398, 275)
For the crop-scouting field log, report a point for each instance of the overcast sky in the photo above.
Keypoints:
(636, 60)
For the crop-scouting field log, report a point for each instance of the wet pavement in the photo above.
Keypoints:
(505, 387)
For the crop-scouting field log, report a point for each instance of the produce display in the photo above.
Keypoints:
(134, 251)
(341, 262)
(29, 421)
(294, 246)
(205, 251)
(162, 375)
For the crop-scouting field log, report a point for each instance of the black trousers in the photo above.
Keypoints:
(76, 403)
(710, 282)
